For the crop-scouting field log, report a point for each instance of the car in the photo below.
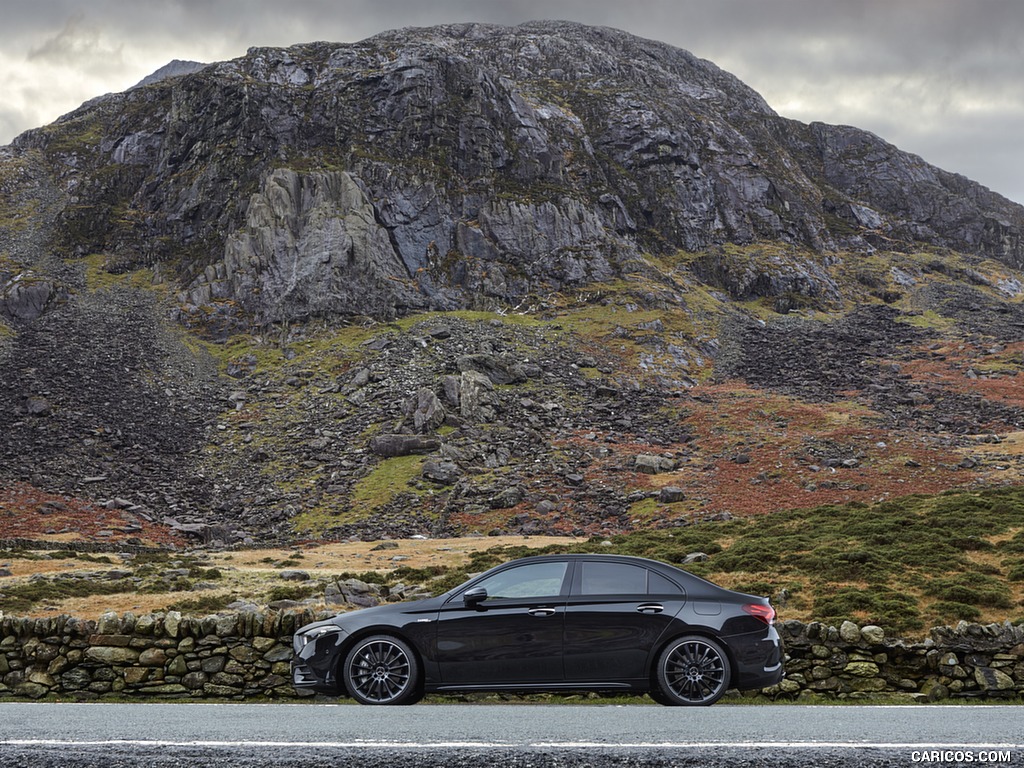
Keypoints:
(572, 622)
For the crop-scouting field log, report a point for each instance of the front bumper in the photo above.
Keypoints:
(317, 659)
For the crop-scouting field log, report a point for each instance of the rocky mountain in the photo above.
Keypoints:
(475, 278)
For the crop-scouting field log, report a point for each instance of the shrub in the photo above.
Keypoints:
(956, 611)
(203, 604)
(879, 605)
(291, 592)
(970, 589)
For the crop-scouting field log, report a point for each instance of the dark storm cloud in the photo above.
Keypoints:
(941, 78)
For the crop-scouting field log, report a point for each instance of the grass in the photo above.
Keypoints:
(391, 478)
(98, 278)
(22, 597)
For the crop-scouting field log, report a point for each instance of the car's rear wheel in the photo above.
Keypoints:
(382, 670)
(691, 671)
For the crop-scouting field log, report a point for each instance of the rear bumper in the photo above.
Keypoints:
(758, 659)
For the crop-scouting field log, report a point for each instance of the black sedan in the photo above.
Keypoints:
(550, 623)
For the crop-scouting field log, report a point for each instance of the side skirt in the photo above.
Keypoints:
(541, 687)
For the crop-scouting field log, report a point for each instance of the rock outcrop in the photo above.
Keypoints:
(468, 165)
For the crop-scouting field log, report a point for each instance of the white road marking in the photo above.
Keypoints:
(499, 745)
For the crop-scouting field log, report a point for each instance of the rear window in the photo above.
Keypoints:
(659, 585)
(621, 579)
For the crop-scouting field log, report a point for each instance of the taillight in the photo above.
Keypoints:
(761, 612)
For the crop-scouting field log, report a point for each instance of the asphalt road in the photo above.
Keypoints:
(159, 735)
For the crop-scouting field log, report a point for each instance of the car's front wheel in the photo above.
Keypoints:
(382, 670)
(691, 671)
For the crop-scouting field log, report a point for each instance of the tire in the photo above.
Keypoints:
(660, 698)
(692, 671)
(382, 670)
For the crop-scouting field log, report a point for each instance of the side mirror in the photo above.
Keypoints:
(472, 597)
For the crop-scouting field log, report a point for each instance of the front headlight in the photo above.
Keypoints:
(317, 632)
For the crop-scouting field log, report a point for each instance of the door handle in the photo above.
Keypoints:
(650, 608)
(542, 611)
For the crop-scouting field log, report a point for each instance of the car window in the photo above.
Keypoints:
(534, 580)
(597, 578)
(612, 579)
(659, 585)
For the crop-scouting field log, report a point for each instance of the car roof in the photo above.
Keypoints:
(667, 568)
(598, 557)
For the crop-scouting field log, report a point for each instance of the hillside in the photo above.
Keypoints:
(548, 279)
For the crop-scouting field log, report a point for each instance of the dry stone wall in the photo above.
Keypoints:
(231, 655)
(246, 656)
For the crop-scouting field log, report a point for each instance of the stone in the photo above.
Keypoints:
(497, 370)
(226, 625)
(861, 669)
(75, 679)
(145, 624)
(108, 624)
(671, 494)
(153, 657)
(166, 689)
(441, 472)
(42, 678)
(263, 644)
(476, 397)
(428, 414)
(933, 690)
(280, 653)
(294, 575)
(224, 678)
(223, 691)
(652, 465)
(177, 666)
(135, 675)
(274, 681)
(112, 655)
(194, 681)
(788, 686)
(872, 634)
(546, 507)
(390, 446)
(172, 623)
(821, 672)
(850, 632)
(993, 679)
(213, 665)
(243, 654)
(31, 690)
(38, 406)
(870, 684)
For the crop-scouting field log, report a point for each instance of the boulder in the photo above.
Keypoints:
(390, 446)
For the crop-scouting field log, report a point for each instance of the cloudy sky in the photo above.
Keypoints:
(941, 78)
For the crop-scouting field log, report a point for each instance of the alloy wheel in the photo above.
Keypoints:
(694, 671)
(381, 670)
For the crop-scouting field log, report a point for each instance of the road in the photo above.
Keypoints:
(286, 735)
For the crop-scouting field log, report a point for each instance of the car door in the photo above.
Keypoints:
(615, 614)
(514, 636)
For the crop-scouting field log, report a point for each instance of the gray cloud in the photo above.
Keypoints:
(941, 78)
(79, 45)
